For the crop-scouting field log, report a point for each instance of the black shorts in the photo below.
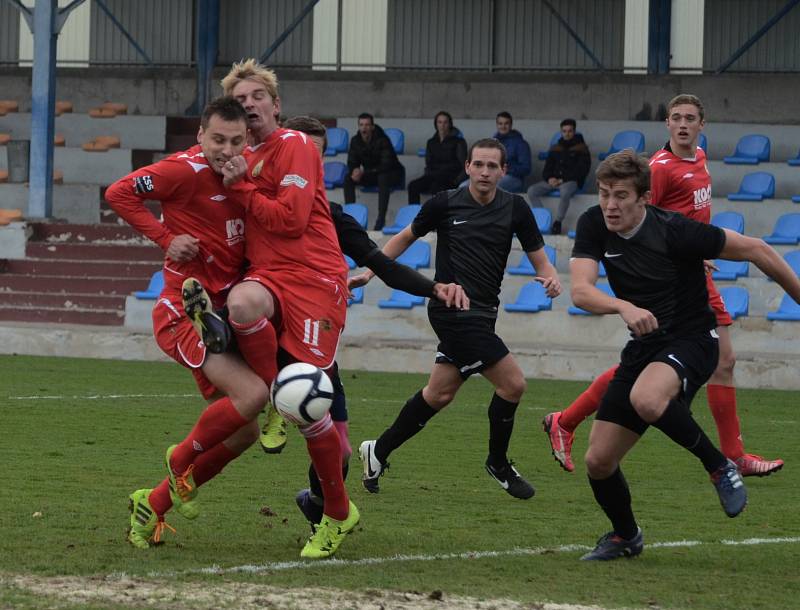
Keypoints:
(467, 342)
(694, 358)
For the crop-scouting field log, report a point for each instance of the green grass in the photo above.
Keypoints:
(75, 459)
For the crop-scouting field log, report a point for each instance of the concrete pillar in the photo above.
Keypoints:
(687, 36)
(637, 14)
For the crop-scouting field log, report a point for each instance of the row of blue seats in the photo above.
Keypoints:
(750, 150)
(532, 299)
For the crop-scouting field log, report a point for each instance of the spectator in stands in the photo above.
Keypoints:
(445, 157)
(566, 168)
(372, 161)
(518, 154)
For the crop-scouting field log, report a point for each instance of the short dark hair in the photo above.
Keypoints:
(309, 125)
(569, 122)
(624, 165)
(225, 107)
(367, 115)
(687, 98)
(488, 143)
(505, 114)
(446, 114)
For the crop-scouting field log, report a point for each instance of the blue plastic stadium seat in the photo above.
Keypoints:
(532, 298)
(601, 269)
(358, 296)
(795, 161)
(335, 172)
(351, 264)
(793, 260)
(402, 219)
(625, 139)
(338, 140)
(577, 311)
(526, 268)
(786, 231)
(400, 300)
(399, 186)
(417, 256)
(751, 150)
(729, 220)
(397, 138)
(787, 310)
(154, 288)
(702, 142)
(358, 211)
(755, 186)
(730, 270)
(737, 300)
(571, 234)
(796, 198)
(544, 219)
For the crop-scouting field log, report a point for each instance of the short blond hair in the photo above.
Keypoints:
(250, 69)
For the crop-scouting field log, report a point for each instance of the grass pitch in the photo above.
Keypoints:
(79, 435)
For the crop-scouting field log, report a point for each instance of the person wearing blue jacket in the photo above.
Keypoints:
(518, 154)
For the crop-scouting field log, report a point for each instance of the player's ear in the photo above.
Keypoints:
(646, 196)
(200, 135)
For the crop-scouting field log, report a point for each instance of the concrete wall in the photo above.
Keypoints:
(751, 98)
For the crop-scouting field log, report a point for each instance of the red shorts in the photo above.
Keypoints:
(177, 338)
(312, 311)
(717, 306)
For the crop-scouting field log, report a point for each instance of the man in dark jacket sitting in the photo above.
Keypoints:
(566, 168)
(372, 161)
(445, 159)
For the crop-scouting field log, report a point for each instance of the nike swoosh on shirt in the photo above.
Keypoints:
(608, 255)
(459, 222)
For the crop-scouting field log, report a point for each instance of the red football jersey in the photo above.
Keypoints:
(194, 201)
(289, 225)
(681, 185)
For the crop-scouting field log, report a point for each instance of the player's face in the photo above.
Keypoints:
(222, 140)
(503, 125)
(684, 125)
(365, 128)
(622, 208)
(485, 170)
(567, 132)
(262, 110)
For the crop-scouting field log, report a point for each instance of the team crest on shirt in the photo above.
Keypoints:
(257, 169)
(324, 324)
(298, 181)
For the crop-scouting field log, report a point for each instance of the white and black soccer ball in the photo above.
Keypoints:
(302, 393)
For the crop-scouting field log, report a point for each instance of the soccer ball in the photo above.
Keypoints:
(302, 393)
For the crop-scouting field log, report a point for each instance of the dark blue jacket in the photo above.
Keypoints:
(518, 153)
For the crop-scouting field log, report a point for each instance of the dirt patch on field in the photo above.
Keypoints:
(138, 593)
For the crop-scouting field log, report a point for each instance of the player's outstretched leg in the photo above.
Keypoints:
(146, 527)
(310, 505)
(329, 534)
(214, 331)
(182, 488)
(560, 440)
(510, 479)
(611, 546)
(273, 434)
(373, 467)
(751, 465)
(730, 488)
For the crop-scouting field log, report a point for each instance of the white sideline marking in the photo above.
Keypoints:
(103, 396)
(566, 548)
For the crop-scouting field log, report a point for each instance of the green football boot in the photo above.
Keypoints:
(182, 489)
(273, 434)
(146, 528)
(329, 534)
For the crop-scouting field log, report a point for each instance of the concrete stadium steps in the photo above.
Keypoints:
(133, 131)
(71, 284)
(80, 268)
(55, 232)
(109, 216)
(59, 300)
(100, 317)
(93, 251)
(84, 167)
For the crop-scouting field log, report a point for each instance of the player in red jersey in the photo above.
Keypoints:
(679, 182)
(202, 235)
(296, 288)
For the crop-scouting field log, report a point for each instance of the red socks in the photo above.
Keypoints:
(258, 345)
(216, 423)
(587, 403)
(722, 402)
(325, 450)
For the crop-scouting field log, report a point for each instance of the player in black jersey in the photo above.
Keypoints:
(475, 225)
(654, 261)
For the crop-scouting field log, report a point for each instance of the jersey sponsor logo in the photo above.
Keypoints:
(702, 197)
(459, 222)
(257, 169)
(235, 231)
(298, 181)
(218, 198)
(610, 255)
(143, 184)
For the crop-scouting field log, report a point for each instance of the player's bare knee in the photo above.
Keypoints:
(599, 465)
(513, 389)
(250, 398)
(246, 306)
(438, 398)
(648, 405)
(725, 366)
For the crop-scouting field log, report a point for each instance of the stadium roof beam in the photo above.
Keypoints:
(574, 34)
(285, 34)
(207, 51)
(125, 32)
(757, 36)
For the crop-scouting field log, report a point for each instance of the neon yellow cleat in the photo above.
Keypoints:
(328, 535)
(146, 528)
(182, 489)
(273, 434)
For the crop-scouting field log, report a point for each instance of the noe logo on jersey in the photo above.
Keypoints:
(702, 197)
(235, 230)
